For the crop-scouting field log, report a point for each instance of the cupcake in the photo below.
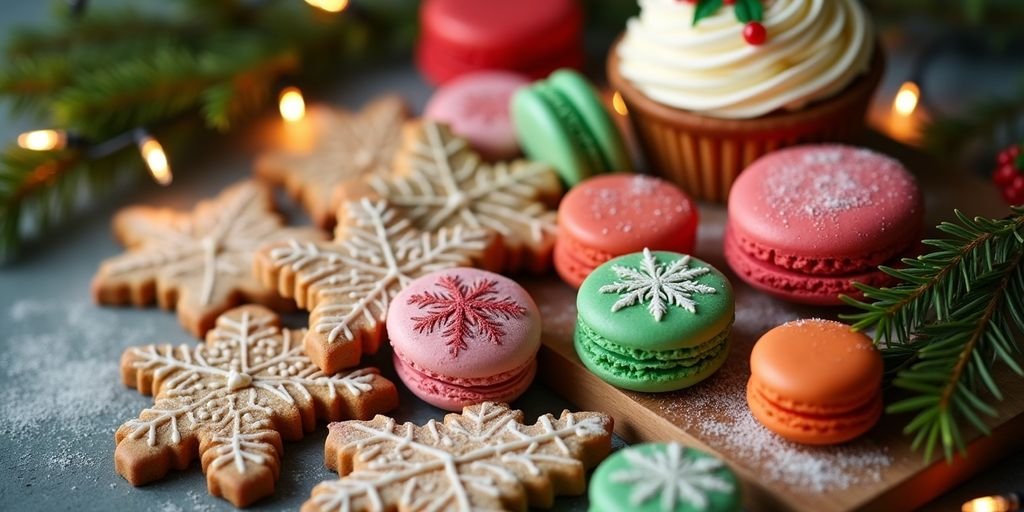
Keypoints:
(711, 94)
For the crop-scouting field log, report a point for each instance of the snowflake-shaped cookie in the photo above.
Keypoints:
(464, 311)
(198, 262)
(482, 459)
(671, 476)
(440, 182)
(347, 284)
(232, 400)
(658, 285)
(344, 146)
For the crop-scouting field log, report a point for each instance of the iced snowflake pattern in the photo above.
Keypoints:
(672, 476)
(442, 182)
(658, 285)
(464, 312)
(346, 146)
(233, 399)
(349, 283)
(477, 460)
(198, 262)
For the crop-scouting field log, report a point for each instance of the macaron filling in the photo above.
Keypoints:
(505, 386)
(844, 424)
(655, 367)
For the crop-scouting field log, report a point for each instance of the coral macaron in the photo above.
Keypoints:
(807, 222)
(476, 107)
(815, 382)
(616, 214)
(463, 336)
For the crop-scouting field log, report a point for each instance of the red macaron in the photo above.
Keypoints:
(531, 37)
(805, 223)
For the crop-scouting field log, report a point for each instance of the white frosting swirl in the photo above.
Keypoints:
(815, 48)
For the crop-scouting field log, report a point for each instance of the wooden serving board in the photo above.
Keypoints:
(877, 472)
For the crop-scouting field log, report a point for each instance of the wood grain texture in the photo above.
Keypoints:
(876, 472)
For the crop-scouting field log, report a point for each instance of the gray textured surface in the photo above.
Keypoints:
(60, 393)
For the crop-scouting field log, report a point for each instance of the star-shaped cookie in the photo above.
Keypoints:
(440, 182)
(198, 262)
(348, 284)
(346, 145)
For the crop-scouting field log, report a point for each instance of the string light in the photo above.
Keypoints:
(291, 104)
(1005, 503)
(43, 140)
(155, 157)
(619, 105)
(906, 99)
(329, 5)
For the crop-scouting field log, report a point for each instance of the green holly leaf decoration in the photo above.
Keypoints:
(748, 10)
(705, 8)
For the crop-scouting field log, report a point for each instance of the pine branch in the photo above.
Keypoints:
(950, 320)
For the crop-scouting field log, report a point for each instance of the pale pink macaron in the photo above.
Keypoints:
(463, 336)
(476, 107)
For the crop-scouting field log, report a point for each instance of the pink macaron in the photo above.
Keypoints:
(463, 336)
(806, 222)
(476, 107)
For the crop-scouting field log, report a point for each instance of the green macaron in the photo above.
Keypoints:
(561, 121)
(654, 321)
(663, 477)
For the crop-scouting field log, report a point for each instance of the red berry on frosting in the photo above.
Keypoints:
(729, 2)
(754, 33)
(1005, 174)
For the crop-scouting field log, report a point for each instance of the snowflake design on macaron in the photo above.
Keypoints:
(658, 285)
(673, 475)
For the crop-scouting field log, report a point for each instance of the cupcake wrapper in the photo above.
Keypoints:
(705, 155)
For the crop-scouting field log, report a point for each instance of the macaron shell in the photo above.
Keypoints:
(453, 397)
(550, 131)
(817, 362)
(476, 107)
(481, 358)
(584, 99)
(608, 493)
(809, 429)
(624, 213)
(635, 326)
(625, 373)
(573, 261)
(828, 201)
(821, 290)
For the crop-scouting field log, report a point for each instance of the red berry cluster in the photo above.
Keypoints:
(754, 32)
(1009, 175)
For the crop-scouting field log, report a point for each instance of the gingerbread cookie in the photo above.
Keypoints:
(232, 400)
(439, 181)
(482, 459)
(198, 262)
(347, 284)
(345, 145)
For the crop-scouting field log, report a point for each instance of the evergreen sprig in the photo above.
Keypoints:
(112, 71)
(942, 330)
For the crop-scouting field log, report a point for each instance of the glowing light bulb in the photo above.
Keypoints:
(43, 140)
(619, 105)
(1005, 503)
(329, 5)
(156, 159)
(906, 99)
(291, 104)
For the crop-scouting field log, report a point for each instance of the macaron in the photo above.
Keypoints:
(476, 107)
(561, 121)
(463, 336)
(616, 214)
(663, 477)
(530, 37)
(806, 223)
(815, 382)
(654, 321)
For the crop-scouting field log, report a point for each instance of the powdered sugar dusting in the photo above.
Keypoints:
(823, 183)
(644, 205)
(716, 411)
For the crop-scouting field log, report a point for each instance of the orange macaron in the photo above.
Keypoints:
(815, 382)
